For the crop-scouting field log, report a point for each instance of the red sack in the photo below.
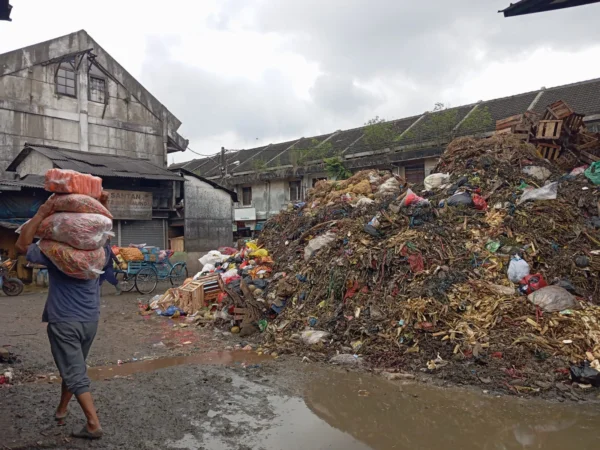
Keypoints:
(479, 202)
(532, 283)
(412, 198)
(71, 182)
(81, 264)
(79, 203)
(79, 230)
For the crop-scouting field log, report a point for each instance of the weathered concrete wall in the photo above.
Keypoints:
(208, 220)
(34, 164)
(132, 122)
(430, 164)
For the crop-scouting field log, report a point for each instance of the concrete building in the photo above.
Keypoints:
(267, 178)
(70, 93)
(204, 221)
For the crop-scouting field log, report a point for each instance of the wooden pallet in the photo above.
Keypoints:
(549, 129)
(548, 151)
(557, 110)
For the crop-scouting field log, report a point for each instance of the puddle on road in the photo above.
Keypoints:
(149, 365)
(358, 412)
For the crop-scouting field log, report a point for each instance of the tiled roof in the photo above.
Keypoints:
(583, 97)
(96, 164)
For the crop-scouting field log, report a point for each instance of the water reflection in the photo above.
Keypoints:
(422, 417)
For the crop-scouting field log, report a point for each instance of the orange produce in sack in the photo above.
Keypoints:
(79, 203)
(82, 264)
(71, 182)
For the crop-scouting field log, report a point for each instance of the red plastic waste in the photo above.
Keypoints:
(532, 283)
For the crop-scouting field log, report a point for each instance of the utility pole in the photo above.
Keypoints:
(223, 164)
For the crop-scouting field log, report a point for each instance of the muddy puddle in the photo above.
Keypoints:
(355, 412)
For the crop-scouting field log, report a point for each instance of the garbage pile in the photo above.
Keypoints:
(487, 274)
(74, 235)
(229, 291)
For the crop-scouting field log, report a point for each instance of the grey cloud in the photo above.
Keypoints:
(419, 40)
(340, 95)
(210, 105)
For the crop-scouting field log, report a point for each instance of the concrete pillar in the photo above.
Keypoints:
(82, 95)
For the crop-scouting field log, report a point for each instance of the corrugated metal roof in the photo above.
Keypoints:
(583, 97)
(97, 164)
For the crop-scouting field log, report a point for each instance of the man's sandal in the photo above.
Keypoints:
(84, 433)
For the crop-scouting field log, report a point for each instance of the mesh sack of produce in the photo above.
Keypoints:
(81, 264)
(131, 254)
(79, 203)
(80, 230)
(70, 182)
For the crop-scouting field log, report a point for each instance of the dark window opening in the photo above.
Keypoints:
(415, 173)
(65, 82)
(295, 191)
(316, 180)
(97, 89)
(247, 196)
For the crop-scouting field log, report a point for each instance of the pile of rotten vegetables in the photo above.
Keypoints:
(418, 279)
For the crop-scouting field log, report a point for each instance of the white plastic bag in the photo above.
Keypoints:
(517, 269)
(552, 298)
(548, 192)
(212, 257)
(436, 180)
(390, 186)
(537, 172)
(318, 243)
(208, 268)
(363, 202)
(311, 337)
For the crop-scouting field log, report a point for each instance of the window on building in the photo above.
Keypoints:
(316, 180)
(295, 191)
(66, 80)
(246, 196)
(97, 89)
(415, 173)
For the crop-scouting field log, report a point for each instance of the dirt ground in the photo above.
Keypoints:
(215, 399)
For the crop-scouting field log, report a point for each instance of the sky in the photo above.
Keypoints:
(246, 73)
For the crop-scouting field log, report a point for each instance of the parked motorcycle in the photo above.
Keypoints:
(11, 286)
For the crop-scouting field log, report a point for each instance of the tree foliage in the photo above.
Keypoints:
(335, 168)
(315, 151)
(378, 134)
(478, 122)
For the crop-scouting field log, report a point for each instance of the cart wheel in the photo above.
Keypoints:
(178, 274)
(126, 281)
(146, 280)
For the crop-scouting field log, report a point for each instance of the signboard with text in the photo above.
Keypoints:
(130, 205)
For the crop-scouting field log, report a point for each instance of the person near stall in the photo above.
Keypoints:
(72, 311)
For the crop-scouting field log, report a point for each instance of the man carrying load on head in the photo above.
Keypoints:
(72, 312)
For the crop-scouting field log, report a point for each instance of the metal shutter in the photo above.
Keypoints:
(415, 173)
(115, 240)
(149, 232)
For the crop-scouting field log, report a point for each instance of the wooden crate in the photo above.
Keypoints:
(573, 123)
(191, 297)
(557, 110)
(549, 129)
(509, 122)
(548, 151)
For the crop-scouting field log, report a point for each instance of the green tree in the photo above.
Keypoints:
(259, 165)
(478, 122)
(315, 151)
(335, 168)
(378, 134)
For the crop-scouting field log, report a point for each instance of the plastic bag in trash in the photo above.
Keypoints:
(537, 172)
(585, 374)
(436, 180)
(318, 243)
(548, 192)
(363, 202)
(552, 299)
(413, 199)
(80, 230)
(462, 199)
(311, 337)
(593, 172)
(390, 186)
(212, 257)
(517, 269)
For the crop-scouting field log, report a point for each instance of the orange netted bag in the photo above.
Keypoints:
(82, 231)
(79, 203)
(131, 254)
(71, 182)
(81, 264)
